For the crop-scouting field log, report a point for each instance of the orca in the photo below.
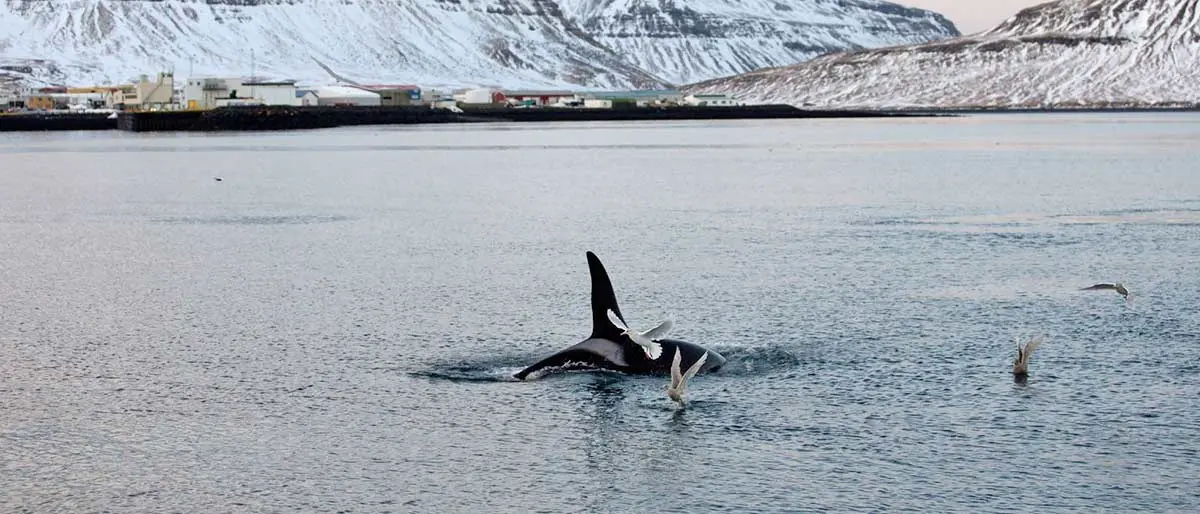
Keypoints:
(607, 349)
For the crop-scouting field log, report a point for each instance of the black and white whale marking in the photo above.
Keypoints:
(607, 349)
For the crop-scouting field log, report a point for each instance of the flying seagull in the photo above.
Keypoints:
(678, 381)
(1021, 365)
(645, 339)
(1120, 289)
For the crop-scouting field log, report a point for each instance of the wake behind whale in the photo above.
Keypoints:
(740, 362)
(607, 350)
(610, 347)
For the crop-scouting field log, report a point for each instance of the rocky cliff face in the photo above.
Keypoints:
(531, 43)
(699, 39)
(1059, 54)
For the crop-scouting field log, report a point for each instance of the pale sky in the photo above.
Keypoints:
(973, 15)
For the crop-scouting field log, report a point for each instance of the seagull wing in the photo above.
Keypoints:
(612, 318)
(691, 372)
(1033, 344)
(676, 378)
(658, 332)
(653, 349)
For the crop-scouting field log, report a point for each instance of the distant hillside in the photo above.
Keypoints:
(513, 43)
(1059, 54)
(693, 40)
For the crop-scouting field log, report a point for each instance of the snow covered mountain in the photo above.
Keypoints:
(512, 43)
(416, 41)
(1059, 54)
(685, 41)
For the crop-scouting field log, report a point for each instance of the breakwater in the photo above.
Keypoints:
(251, 118)
(32, 122)
(682, 112)
(279, 117)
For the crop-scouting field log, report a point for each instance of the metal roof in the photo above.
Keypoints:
(403, 87)
(641, 93)
(534, 92)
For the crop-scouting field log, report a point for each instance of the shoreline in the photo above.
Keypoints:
(1045, 110)
(299, 118)
(276, 118)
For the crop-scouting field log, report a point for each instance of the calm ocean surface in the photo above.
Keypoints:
(332, 327)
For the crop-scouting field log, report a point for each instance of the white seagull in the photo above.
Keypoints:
(679, 381)
(1021, 365)
(1120, 289)
(645, 339)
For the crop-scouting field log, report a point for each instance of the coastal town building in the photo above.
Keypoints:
(345, 95)
(534, 98)
(212, 92)
(639, 98)
(394, 94)
(307, 97)
(597, 103)
(45, 102)
(202, 93)
(270, 92)
(478, 96)
(145, 94)
(710, 100)
(58, 98)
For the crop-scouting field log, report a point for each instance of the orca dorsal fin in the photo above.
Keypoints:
(603, 299)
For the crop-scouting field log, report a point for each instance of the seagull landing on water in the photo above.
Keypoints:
(644, 339)
(1120, 289)
(1021, 365)
(679, 381)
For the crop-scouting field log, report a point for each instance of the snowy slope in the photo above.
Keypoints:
(530, 43)
(501, 42)
(685, 41)
(1065, 53)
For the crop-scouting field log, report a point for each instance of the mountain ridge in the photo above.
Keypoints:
(1069, 53)
(507, 43)
(719, 37)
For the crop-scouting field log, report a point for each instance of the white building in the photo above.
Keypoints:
(597, 103)
(202, 93)
(228, 102)
(275, 92)
(307, 97)
(87, 100)
(344, 95)
(639, 97)
(212, 92)
(480, 95)
(713, 100)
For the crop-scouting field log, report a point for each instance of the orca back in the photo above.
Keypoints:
(625, 356)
